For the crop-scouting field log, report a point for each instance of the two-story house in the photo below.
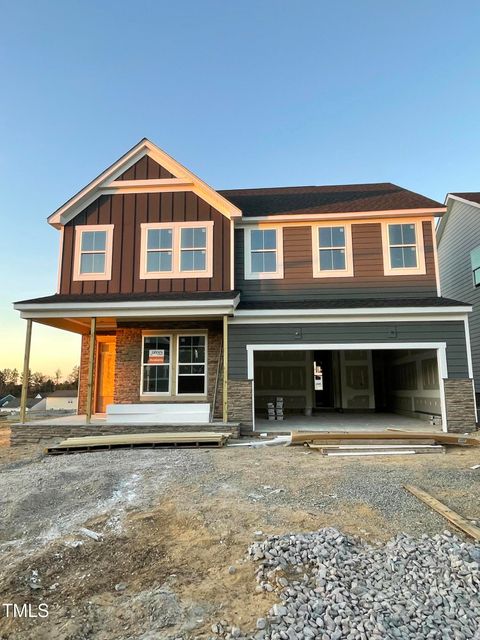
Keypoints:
(458, 239)
(188, 297)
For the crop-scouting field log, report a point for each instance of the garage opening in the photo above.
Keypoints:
(368, 388)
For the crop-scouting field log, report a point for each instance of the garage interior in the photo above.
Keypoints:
(349, 388)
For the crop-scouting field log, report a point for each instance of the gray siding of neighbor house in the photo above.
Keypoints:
(460, 235)
(451, 332)
(368, 280)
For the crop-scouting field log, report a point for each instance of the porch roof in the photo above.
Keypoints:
(73, 312)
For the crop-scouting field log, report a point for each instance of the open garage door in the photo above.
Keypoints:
(328, 384)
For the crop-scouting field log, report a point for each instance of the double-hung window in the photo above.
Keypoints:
(193, 248)
(191, 365)
(176, 250)
(263, 253)
(156, 365)
(159, 250)
(332, 250)
(93, 252)
(403, 251)
(174, 364)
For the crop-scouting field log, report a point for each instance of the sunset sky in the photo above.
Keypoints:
(251, 93)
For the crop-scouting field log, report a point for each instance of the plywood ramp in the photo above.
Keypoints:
(140, 440)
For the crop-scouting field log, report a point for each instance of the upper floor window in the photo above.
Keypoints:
(475, 261)
(403, 251)
(263, 253)
(93, 252)
(176, 250)
(332, 250)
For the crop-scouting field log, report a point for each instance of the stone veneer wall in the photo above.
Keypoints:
(459, 399)
(48, 435)
(83, 376)
(240, 401)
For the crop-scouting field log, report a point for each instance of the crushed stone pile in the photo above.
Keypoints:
(335, 587)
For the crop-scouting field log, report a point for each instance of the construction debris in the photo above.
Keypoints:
(439, 507)
(376, 449)
(405, 437)
(140, 440)
(91, 534)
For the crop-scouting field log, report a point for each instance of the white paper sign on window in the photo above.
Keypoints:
(156, 356)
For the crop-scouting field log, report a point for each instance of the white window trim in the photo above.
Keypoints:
(187, 334)
(420, 269)
(332, 273)
(174, 363)
(107, 274)
(157, 334)
(176, 228)
(264, 275)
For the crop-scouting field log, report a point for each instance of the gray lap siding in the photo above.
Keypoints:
(450, 332)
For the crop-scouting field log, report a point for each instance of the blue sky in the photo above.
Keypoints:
(250, 93)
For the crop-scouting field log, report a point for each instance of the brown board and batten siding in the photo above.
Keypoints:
(126, 212)
(369, 280)
(145, 169)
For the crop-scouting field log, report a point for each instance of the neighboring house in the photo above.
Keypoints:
(458, 238)
(60, 400)
(326, 296)
(5, 399)
(13, 405)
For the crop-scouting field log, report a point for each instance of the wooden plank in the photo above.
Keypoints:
(403, 452)
(372, 442)
(439, 437)
(373, 446)
(452, 516)
(367, 451)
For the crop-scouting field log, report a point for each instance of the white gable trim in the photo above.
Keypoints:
(184, 180)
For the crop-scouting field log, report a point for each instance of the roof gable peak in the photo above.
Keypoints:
(108, 183)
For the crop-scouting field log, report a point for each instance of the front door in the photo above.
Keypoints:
(322, 379)
(105, 373)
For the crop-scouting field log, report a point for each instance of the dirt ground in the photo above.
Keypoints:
(173, 522)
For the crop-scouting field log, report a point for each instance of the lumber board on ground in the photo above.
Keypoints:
(194, 439)
(371, 443)
(452, 516)
(373, 446)
(302, 437)
(370, 451)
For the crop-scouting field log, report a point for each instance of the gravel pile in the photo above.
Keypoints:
(334, 587)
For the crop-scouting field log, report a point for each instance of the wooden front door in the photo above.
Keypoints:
(105, 373)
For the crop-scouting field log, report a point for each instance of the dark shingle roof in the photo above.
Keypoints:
(353, 303)
(473, 196)
(347, 198)
(132, 297)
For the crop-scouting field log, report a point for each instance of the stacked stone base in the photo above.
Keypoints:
(460, 402)
(52, 434)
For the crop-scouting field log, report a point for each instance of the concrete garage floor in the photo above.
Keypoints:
(334, 421)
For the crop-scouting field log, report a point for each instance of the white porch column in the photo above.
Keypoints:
(91, 363)
(26, 371)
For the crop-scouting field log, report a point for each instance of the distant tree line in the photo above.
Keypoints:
(11, 382)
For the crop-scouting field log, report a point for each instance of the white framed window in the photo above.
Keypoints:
(176, 250)
(174, 364)
(93, 252)
(332, 253)
(403, 249)
(475, 262)
(192, 365)
(156, 365)
(263, 253)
